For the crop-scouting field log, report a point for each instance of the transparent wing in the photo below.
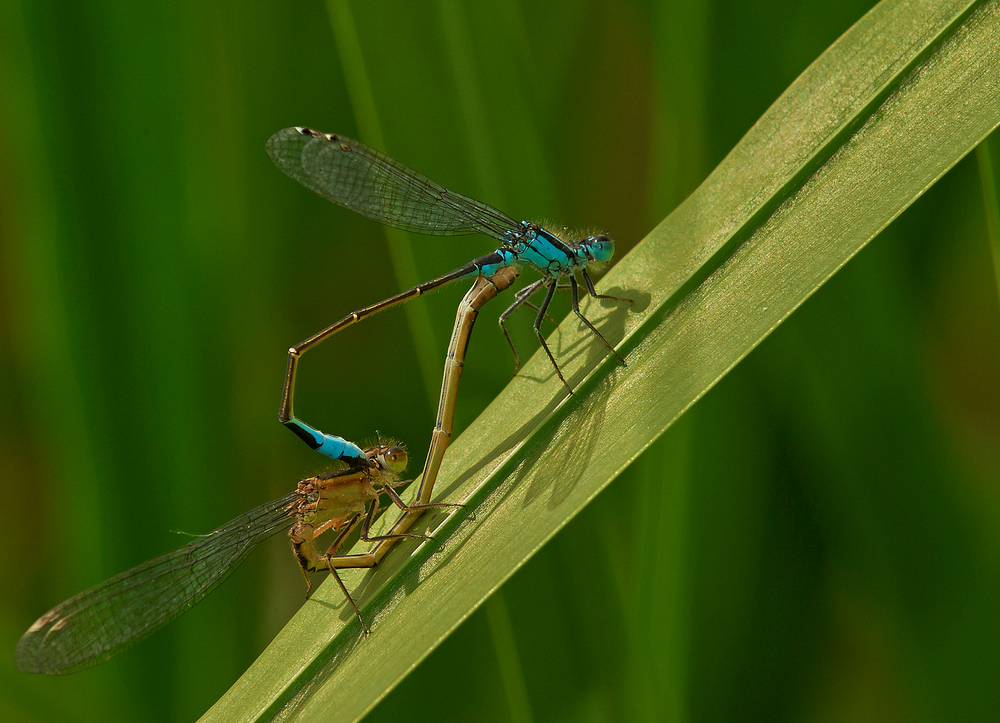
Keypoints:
(358, 177)
(105, 620)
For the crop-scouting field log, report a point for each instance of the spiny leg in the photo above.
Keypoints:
(370, 518)
(536, 308)
(521, 297)
(343, 589)
(538, 331)
(303, 537)
(575, 295)
(528, 290)
(397, 500)
(303, 544)
(533, 307)
(341, 536)
(559, 287)
(593, 292)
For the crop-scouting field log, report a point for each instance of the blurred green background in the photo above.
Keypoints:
(816, 540)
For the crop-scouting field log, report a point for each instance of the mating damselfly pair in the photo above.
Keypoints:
(107, 619)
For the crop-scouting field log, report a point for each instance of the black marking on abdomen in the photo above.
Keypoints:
(303, 435)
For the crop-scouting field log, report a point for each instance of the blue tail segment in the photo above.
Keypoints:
(329, 444)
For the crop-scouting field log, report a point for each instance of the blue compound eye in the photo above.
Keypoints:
(602, 248)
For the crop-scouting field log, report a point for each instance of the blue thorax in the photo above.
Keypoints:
(536, 246)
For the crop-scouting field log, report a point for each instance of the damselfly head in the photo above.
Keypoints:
(393, 458)
(599, 248)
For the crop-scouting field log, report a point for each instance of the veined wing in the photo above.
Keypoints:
(358, 177)
(103, 621)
